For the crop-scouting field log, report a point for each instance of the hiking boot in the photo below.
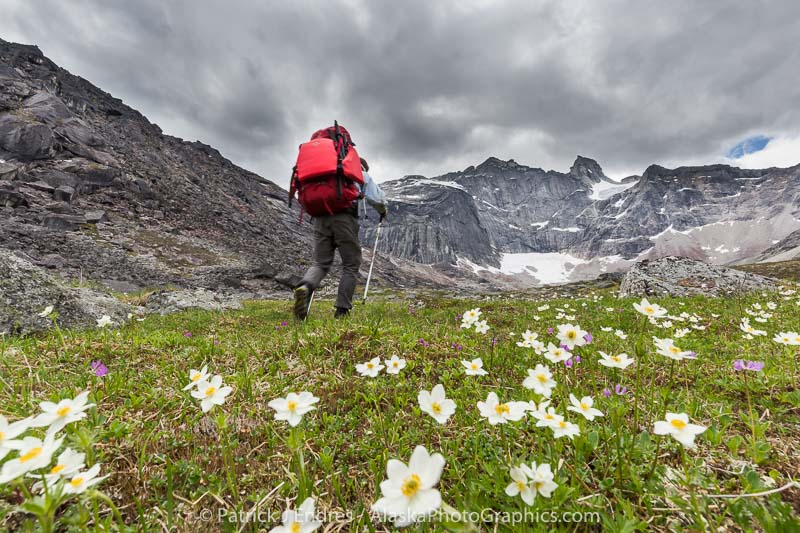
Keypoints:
(341, 312)
(302, 300)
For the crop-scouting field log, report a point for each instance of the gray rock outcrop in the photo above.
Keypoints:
(26, 290)
(681, 276)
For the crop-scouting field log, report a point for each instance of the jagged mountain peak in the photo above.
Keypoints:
(585, 167)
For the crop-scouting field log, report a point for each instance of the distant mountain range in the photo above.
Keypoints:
(503, 219)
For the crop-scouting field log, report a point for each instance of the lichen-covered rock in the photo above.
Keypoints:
(26, 290)
(166, 302)
(681, 276)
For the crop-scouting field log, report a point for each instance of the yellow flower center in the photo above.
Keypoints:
(395, 364)
(562, 424)
(56, 469)
(542, 378)
(615, 358)
(521, 485)
(64, 411)
(2, 436)
(571, 335)
(538, 484)
(678, 424)
(295, 527)
(411, 485)
(548, 416)
(436, 408)
(649, 310)
(474, 366)
(674, 349)
(195, 378)
(32, 454)
(76, 482)
(210, 391)
(501, 408)
(291, 405)
(370, 366)
(584, 406)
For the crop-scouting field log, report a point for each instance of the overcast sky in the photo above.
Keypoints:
(427, 87)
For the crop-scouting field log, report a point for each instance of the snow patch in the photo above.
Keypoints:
(606, 189)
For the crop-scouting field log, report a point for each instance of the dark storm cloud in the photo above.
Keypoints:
(428, 87)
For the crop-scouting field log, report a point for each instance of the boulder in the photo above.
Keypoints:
(165, 302)
(26, 290)
(681, 276)
(47, 108)
(8, 171)
(11, 198)
(63, 222)
(95, 216)
(25, 139)
(64, 193)
(76, 131)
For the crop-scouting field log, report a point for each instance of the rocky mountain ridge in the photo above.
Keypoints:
(502, 219)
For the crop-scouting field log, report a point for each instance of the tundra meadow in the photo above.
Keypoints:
(501, 414)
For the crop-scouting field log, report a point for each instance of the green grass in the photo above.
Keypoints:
(169, 464)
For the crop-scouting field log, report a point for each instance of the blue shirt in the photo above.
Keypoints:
(373, 194)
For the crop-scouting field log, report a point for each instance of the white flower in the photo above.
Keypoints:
(606, 329)
(540, 379)
(789, 338)
(546, 416)
(474, 367)
(562, 428)
(747, 328)
(395, 365)
(615, 361)
(471, 316)
(648, 309)
(529, 339)
(666, 347)
(196, 376)
(104, 321)
(46, 312)
(436, 404)
(682, 332)
(69, 462)
(584, 407)
(299, 521)
(371, 368)
(621, 334)
(500, 413)
(408, 493)
(83, 480)
(571, 336)
(293, 407)
(541, 479)
(520, 485)
(58, 415)
(677, 425)
(556, 354)
(34, 454)
(211, 393)
(544, 307)
(9, 431)
(481, 326)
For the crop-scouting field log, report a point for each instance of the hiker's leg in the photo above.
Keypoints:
(345, 230)
(324, 249)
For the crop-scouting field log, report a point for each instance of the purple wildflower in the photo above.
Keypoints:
(284, 323)
(99, 368)
(277, 328)
(494, 341)
(578, 359)
(607, 393)
(565, 347)
(550, 331)
(620, 390)
(755, 366)
(568, 363)
(216, 342)
(188, 334)
(588, 338)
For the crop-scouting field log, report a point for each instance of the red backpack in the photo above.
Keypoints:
(326, 173)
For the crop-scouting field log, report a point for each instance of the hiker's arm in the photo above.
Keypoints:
(374, 195)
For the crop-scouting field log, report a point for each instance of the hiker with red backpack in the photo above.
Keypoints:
(329, 179)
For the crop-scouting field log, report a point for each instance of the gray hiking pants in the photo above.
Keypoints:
(332, 232)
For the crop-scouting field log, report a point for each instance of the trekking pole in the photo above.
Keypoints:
(310, 301)
(372, 263)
